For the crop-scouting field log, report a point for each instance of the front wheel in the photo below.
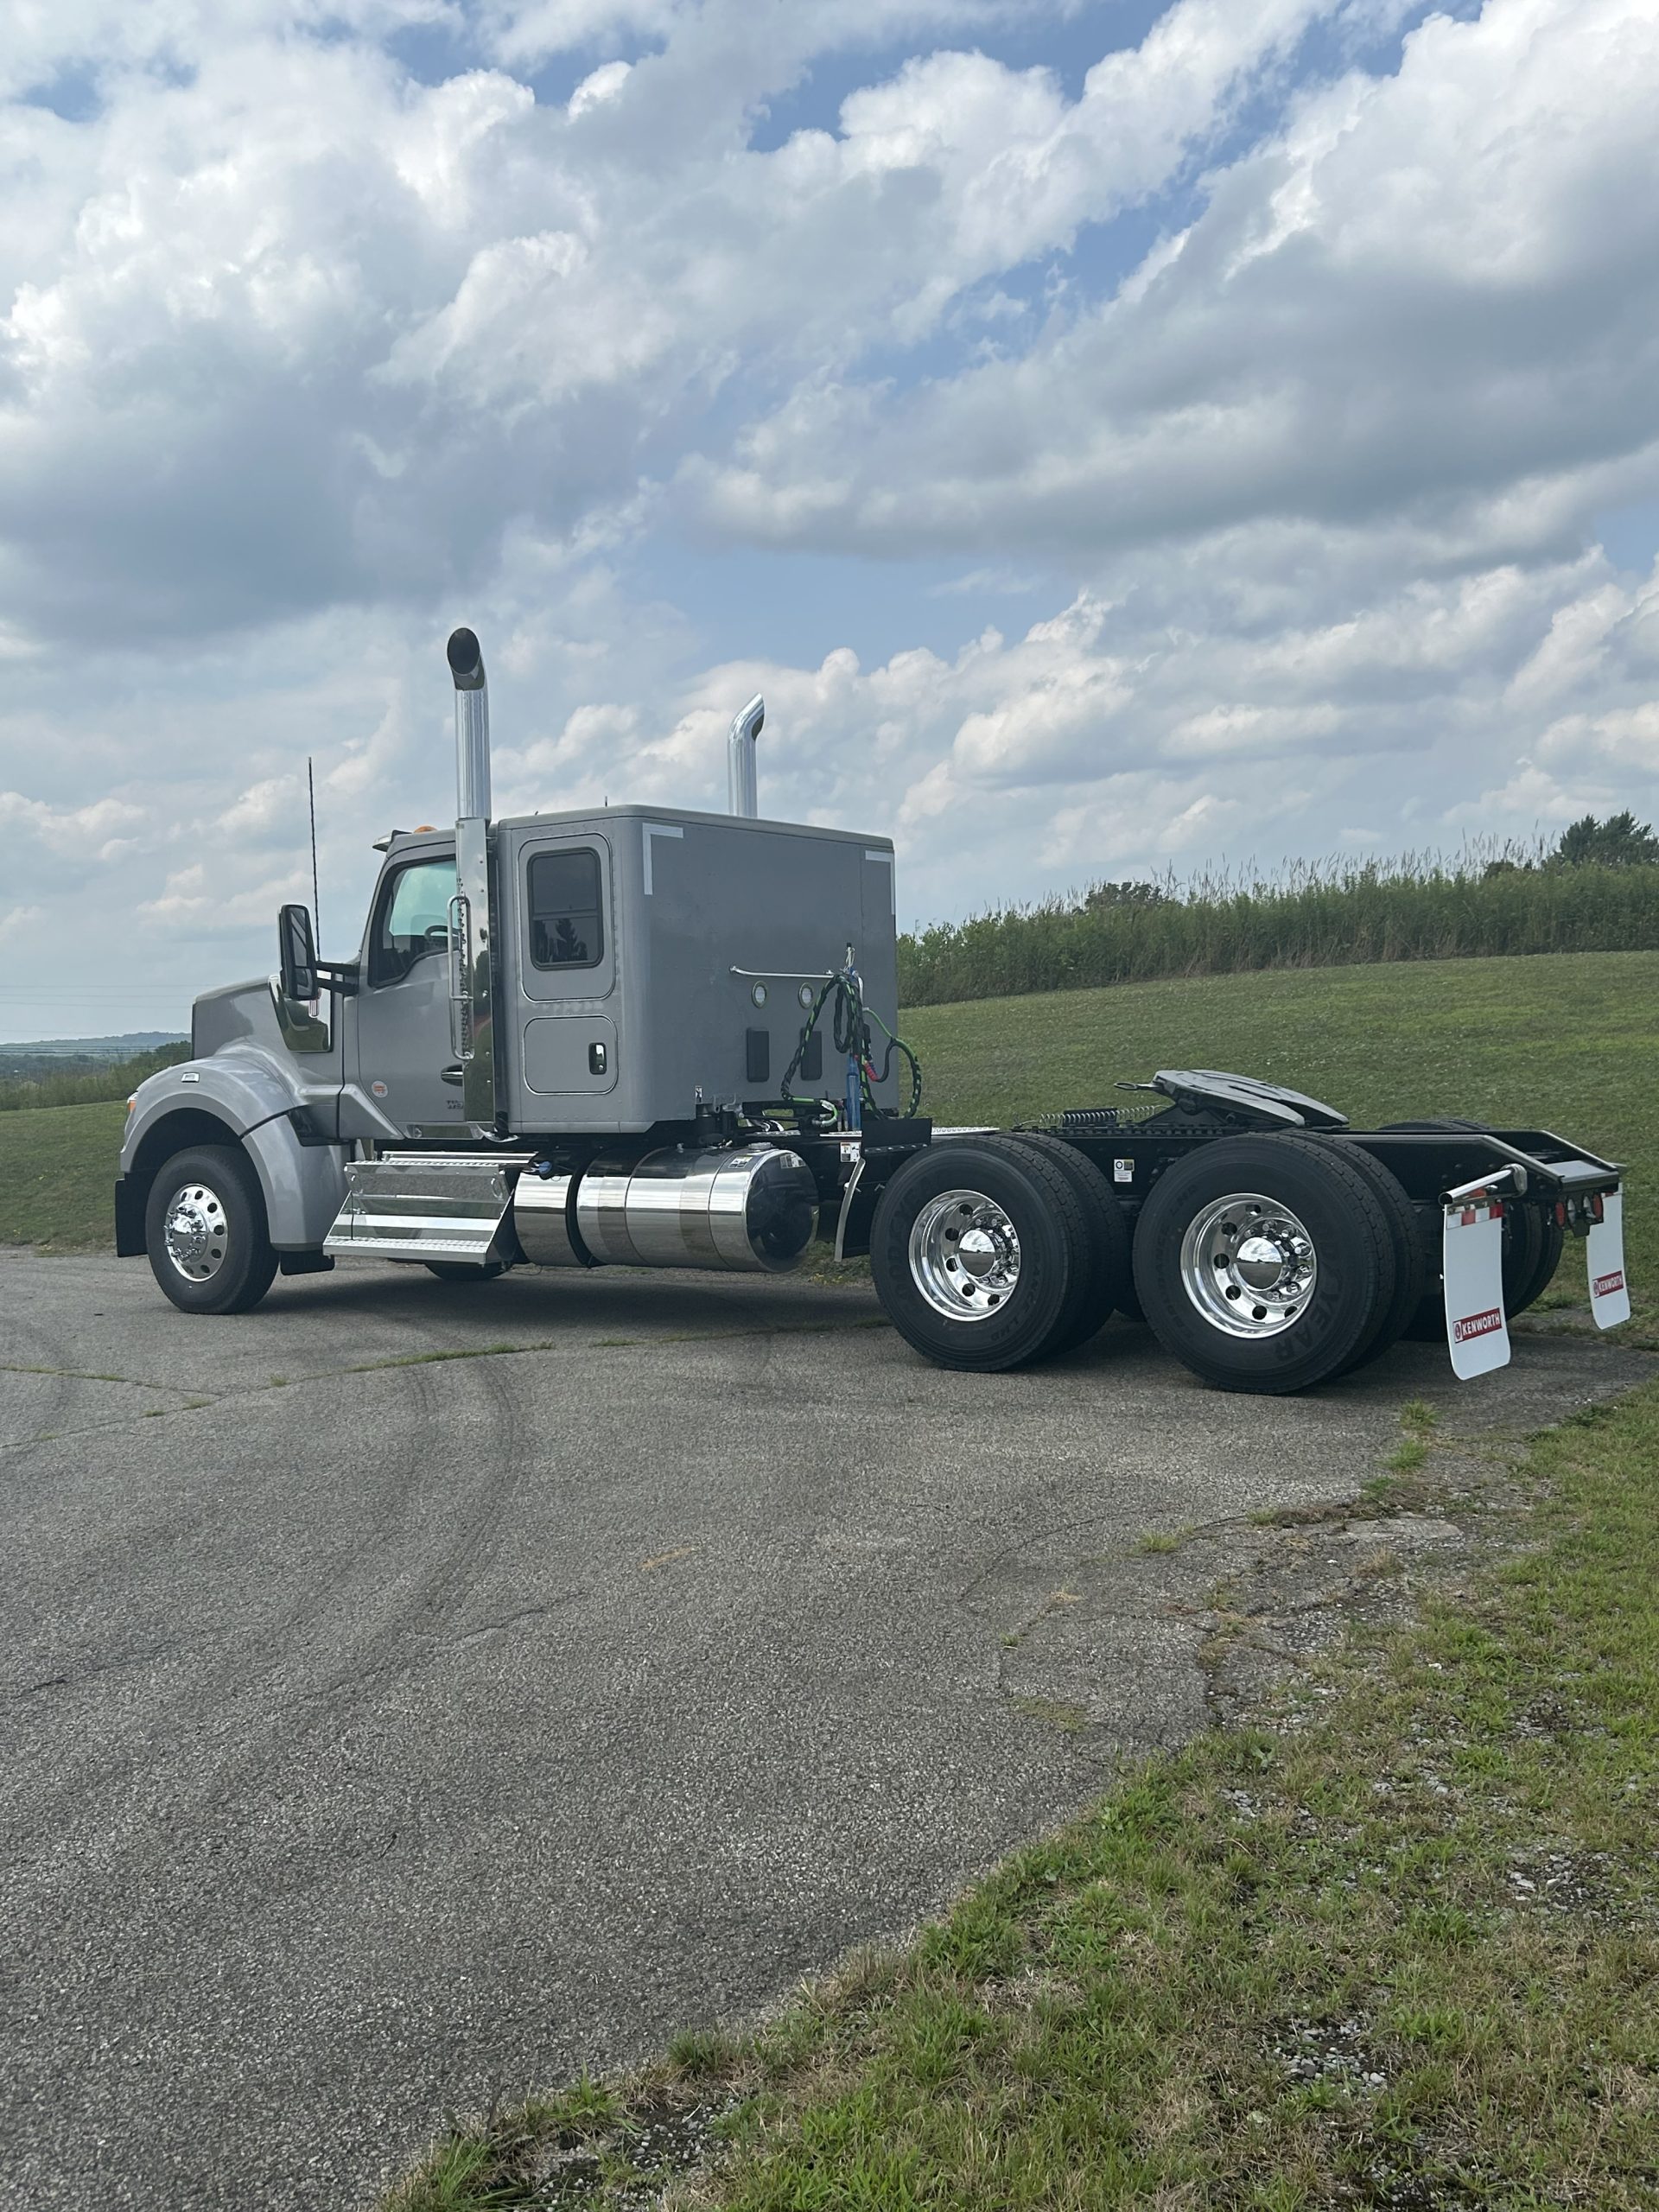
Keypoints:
(205, 1232)
(1265, 1263)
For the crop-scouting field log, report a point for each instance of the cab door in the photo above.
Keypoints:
(404, 1060)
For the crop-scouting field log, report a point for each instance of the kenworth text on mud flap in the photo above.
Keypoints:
(639, 1037)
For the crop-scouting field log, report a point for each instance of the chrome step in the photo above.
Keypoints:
(410, 1205)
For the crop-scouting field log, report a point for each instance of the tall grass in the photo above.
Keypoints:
(1318, 915)
(88, 1086)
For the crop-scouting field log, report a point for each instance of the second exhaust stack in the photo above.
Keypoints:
(740, 758)
(472, 727)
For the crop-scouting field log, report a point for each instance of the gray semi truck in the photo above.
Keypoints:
(642, 1037)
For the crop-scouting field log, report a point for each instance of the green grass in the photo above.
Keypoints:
(57, 1173)
(1398, 1944)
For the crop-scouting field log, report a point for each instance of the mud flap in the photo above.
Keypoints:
(1476, 1329)
(1603, 1252)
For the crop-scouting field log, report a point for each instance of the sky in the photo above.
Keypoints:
(1117, 438)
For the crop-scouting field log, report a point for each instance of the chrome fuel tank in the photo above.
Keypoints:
(753, 1209)
(544, 1220)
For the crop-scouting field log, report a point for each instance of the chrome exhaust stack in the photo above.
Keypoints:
(740, 759)
(472, 727)
(471, 923)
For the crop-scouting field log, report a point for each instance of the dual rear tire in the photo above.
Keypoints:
(994, 1252)
(1266, 1264)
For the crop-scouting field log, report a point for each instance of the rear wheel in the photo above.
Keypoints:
(1531, 1258)
(1265, 1263)
(205, 1232)
(979, 1249)
(1410, 1252)
(1109, 1280)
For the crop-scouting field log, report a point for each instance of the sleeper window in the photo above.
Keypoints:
(567, 923)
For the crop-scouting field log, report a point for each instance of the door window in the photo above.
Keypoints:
(413, 919)
(567, 923)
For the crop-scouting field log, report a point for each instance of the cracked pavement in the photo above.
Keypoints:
(385, 1731)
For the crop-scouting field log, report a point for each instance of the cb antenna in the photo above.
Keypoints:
(316, 903)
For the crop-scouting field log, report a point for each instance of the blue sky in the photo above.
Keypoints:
(1118, 437)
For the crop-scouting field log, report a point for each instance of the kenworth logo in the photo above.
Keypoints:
(1605, 1285)
(1477, 1324)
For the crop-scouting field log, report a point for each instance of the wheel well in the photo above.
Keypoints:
(190, 1125)
(174, 1132)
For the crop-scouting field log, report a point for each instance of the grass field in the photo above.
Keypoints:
(57, 1169)
(1418, 908)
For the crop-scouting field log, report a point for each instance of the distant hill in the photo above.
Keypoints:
(31, 1077)
(96, 1052)
(51, 1058)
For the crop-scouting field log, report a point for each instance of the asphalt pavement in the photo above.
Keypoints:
(392, 1722)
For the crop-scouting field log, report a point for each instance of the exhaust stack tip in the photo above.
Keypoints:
(472, 727)
(740, 758)
(465, 660)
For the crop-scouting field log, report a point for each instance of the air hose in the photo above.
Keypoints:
(850, 1022)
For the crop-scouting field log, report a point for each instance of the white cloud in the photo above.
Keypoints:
(304, 355)
(297, 328)
(19, 925)
(193, 902)
(69, 832)
(1429, 298)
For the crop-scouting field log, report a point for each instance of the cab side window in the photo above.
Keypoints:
(567, 921)
(411, 918)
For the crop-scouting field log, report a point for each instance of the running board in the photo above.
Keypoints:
(410, 1205)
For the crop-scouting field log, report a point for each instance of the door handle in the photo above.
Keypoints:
(454, 1073)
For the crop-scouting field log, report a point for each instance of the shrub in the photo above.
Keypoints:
(1319, 915)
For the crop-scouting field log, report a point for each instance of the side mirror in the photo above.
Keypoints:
(297, 952)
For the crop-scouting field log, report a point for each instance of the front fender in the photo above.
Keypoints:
(304, 1183)
(237, 1094)
(239, 1087)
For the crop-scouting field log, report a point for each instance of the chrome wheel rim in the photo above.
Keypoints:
(197, 1233)
(1249, 1265)
(964, 1256)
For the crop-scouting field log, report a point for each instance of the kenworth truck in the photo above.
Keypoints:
(641, 1036)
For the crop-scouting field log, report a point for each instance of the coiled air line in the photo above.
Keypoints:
(851, 1033)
